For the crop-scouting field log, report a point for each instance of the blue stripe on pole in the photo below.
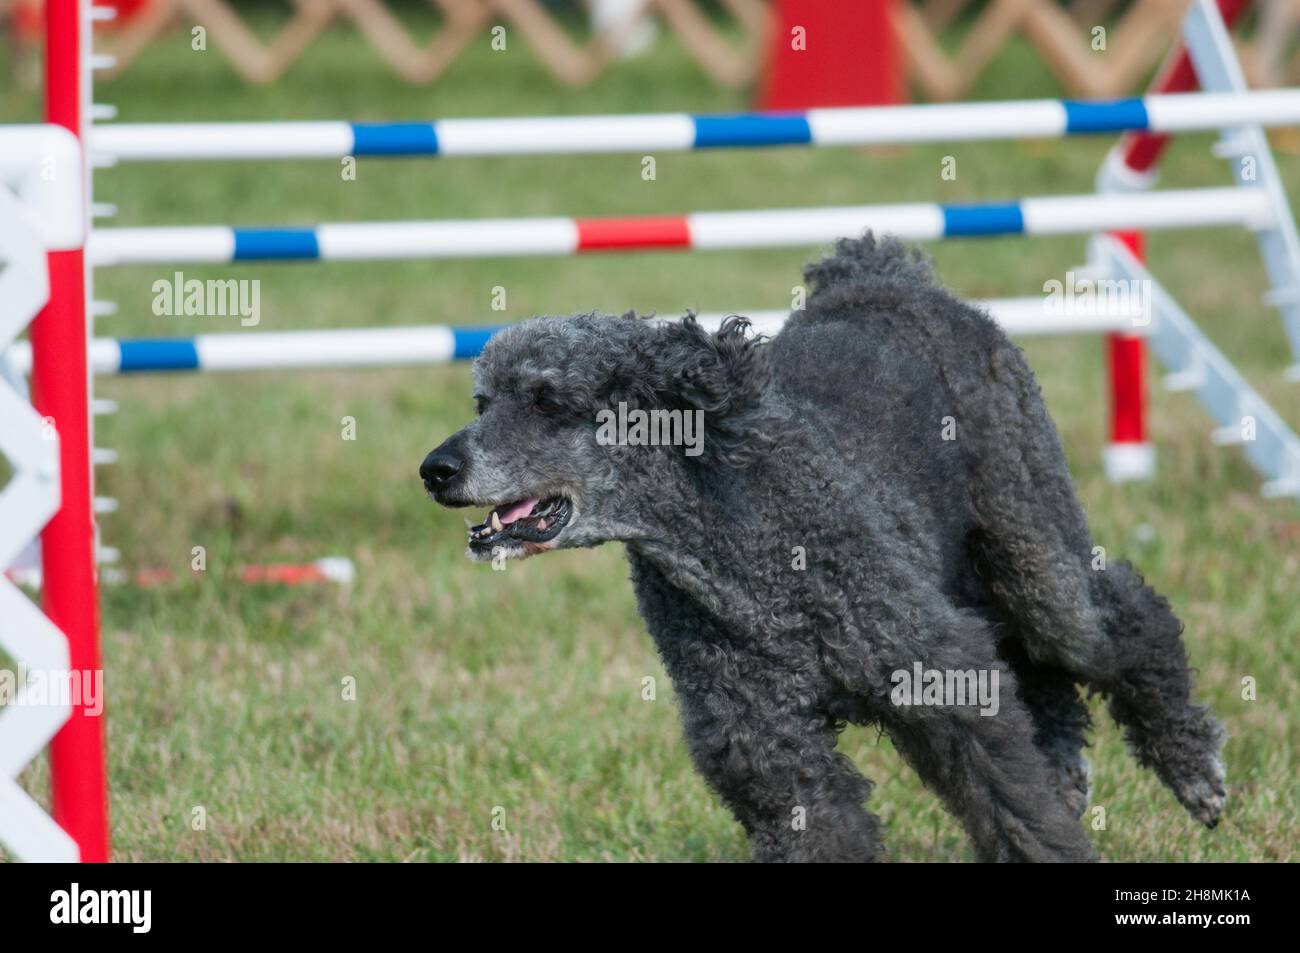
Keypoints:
(394, 139)
(752, 129)
(470, 341)
(260, 244)
(1115, 116)
(989, 219)
(158, 354)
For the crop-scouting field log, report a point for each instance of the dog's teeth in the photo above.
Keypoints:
(541, 524)
(496, 521)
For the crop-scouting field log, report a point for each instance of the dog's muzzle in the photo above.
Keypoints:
(443, 468)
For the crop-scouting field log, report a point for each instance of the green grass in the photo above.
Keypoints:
(521, 690)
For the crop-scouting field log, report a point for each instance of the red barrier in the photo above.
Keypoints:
(831, 53)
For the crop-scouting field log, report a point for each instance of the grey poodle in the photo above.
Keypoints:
(876, 491)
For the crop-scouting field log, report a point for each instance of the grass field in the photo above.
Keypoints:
(518, 693)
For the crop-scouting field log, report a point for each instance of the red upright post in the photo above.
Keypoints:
(1142, 150)
(1129, 454)
(61, 392)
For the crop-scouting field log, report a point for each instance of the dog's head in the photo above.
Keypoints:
(586, 423)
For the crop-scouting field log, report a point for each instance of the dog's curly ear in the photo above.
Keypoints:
(725, 375)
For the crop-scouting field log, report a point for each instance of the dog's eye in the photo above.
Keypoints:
(548, 401)
(480, 404)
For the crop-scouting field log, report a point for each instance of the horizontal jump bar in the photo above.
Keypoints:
(437, 344)
(870, 125)
(780, 228)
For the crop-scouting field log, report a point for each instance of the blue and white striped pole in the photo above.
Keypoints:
(437, 344)
(859, 126)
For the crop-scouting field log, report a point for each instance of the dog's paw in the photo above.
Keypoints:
(1204, 795)
(1075, 782)
(1193, 768)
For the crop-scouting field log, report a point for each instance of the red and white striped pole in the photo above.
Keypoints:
(61, 392)
(1129, 453)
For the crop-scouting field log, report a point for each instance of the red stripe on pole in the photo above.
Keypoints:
(61, 391)
(656, 231)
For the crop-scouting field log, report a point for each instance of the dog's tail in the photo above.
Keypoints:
(871, 277)
(867, 261)
(889, 289)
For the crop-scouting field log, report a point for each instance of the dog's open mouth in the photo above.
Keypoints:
(532, 520)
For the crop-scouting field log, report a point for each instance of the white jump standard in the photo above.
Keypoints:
(41, 235)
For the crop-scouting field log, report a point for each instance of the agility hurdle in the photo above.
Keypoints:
(1206, 58)
(420, 345)
(1170, 109)
(775, 228)
(680, 132)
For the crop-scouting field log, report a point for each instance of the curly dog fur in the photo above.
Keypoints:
(879, 485)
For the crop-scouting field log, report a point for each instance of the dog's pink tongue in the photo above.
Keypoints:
(517, 511)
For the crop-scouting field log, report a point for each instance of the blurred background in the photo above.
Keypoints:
(524, 690)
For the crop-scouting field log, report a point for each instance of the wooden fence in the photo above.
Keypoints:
(1095, 48)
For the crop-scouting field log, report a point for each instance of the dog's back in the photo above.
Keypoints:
(876, 317)
(882, 339)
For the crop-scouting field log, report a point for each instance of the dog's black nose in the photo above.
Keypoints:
(440, 466)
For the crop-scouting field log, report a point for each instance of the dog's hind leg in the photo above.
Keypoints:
(1061, 722)
(1119, 637)
(995, 781)
(987, 769)
(1150, 693)
(1100, 624)
(972, 743)
(986, 766)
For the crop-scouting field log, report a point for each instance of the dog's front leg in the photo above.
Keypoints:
(755, 731)
(773, 762)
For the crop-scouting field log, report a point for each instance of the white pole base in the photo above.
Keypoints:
(1126, 462)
